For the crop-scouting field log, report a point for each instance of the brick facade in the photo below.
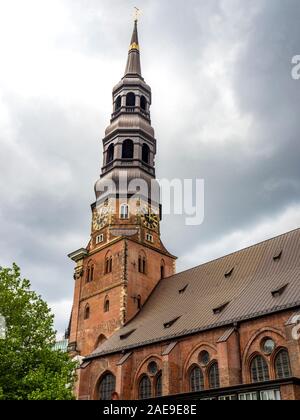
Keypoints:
(233, 356)
(115, 287)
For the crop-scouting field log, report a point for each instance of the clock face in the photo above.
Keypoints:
(100, 218)
(150, 219)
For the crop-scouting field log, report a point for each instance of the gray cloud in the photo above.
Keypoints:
(225, 109)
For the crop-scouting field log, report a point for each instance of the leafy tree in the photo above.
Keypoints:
(29, 367)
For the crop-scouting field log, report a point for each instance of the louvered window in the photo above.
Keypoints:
(170, 323)
(181, 291)
(126, 335)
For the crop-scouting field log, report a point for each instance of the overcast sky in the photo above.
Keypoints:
(225, 109)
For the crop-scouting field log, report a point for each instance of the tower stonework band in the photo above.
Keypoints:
(225, 330)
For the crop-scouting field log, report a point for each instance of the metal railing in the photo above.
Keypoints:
(131, 110)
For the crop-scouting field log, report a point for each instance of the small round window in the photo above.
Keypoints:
(204, 358)
(268, 346)
(152, 368)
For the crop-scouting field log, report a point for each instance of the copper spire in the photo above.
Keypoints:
(133, 66)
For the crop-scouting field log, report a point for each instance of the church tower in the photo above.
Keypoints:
(125, 258)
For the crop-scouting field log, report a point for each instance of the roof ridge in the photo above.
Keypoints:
(232, 253)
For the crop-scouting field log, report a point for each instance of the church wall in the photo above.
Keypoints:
(94, 294)
(233, 356)
(122, 287)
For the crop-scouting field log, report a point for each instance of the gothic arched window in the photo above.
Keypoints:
(196, 379)
(107, 387)
(158, 385)
(142, 263)
(214, 377)
(146, 153)
(110, 153)
(143, 103)
(118, 103)
(130, 99)
(127, 149)
(87, 312)
(145, 391)
(282, 365)
(108, 263)
(259, 370)
(90, 273)
(124, 211)
(106, 304)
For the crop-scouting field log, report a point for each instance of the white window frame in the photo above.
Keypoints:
(228, 397)
(248, 396)
(99, 239)
(270, 395)
(149, 238)
(266, 395)
(124, 215)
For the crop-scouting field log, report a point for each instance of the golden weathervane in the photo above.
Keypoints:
(136, 14)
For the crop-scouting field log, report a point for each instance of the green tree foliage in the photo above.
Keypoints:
(29, 367)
